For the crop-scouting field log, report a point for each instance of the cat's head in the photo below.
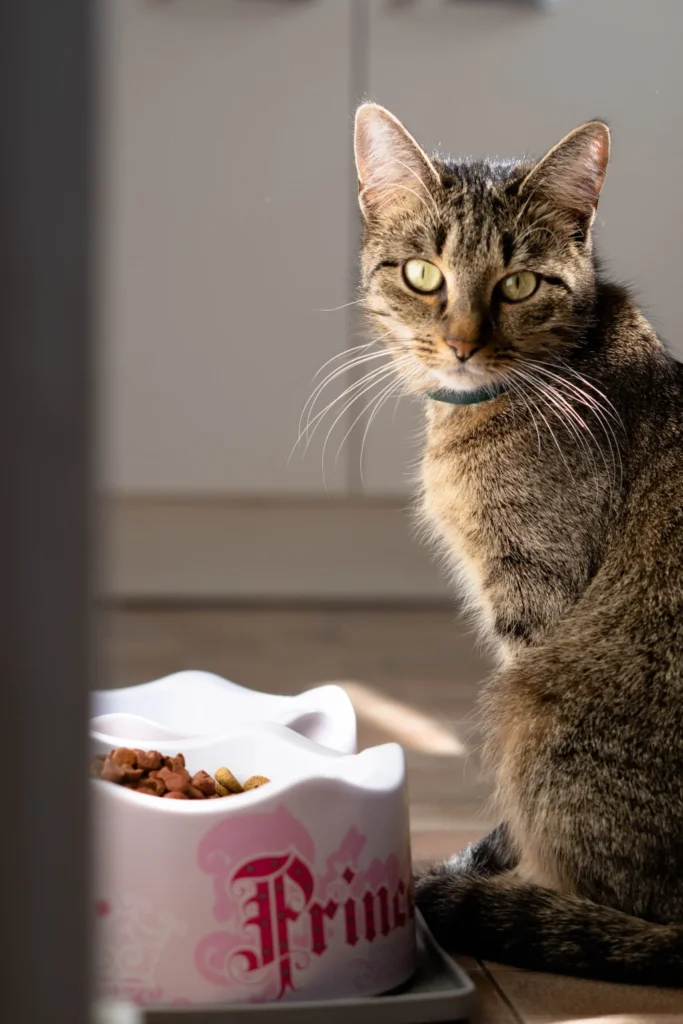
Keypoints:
(473, 270)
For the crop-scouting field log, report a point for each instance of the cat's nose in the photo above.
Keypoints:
(463, 349)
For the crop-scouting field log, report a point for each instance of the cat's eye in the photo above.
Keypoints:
(422, 276)
(518, 287)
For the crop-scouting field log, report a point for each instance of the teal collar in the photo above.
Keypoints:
(484, 394)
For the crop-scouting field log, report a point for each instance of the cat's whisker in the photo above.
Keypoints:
(356, 420)
(341, 355)
(316, 420)
(354, 348)
(384, 396)
(585, 380)
(354, 386)
(347, 351)
(344, 305)
(575, 424)
(598, 410)
(380, 380)
(555, 396)
(517, 390)
(609, 410)
(550, 430)
(354, 392)
(334, 374)
(565, 413)
(337, 371)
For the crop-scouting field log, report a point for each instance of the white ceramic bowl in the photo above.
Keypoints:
(190, 704)
(298, 890)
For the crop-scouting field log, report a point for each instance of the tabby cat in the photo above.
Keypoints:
(552, 479)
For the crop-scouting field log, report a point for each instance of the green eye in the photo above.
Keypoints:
(518, 287)
(422, 276)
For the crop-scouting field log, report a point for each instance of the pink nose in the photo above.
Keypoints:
(464, 350)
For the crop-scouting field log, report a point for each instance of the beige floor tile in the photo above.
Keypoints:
(630, 1018)
(431, 846)
(545, 998)
(492, 1007)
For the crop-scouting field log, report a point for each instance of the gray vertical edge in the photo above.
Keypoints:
(44, 523)
(359, 77)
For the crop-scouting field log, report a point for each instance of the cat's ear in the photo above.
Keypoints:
(570, 176)
(391, 166)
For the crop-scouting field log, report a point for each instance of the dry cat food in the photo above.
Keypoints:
(154, 774)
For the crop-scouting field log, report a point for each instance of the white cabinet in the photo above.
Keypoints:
(228, 210)
(497, 78)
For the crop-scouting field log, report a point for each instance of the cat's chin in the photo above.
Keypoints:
(459, 378)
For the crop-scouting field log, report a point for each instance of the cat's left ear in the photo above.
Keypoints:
(572, 173)
(392, 168)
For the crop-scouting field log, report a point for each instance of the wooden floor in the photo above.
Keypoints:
(413, 675)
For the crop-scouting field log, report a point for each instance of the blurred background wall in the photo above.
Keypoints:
(229, 223)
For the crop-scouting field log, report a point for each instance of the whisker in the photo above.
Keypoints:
(359, 417)
(550, 430)
(517, 390)
(384, 396)
(570, 418)
(343, 306)
(341, 355)
(389, 372)
(599, 411)
(315, 421)
(338, 371)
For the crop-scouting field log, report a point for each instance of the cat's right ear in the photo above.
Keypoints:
(571, 175)
(392, 168)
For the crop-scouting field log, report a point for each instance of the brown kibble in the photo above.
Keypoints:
(122, 755)
(150, 760)
(225, 777)
(193, 792)
(255, 781)
(203, 781)
(153, 774)
(174, 781)
(155, 787)
(175, 763)
(112, 771)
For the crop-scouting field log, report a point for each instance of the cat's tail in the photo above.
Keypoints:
(509, 921)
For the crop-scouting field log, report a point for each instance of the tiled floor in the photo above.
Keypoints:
(413, 676)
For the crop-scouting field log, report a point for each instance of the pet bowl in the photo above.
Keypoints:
(194, 703)
(298, 890)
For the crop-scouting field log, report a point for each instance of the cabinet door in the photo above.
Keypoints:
(227, 212)
(505, 78)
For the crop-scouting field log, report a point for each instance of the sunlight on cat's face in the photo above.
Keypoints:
(475, 272)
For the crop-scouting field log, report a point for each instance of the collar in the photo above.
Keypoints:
(484, 394)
